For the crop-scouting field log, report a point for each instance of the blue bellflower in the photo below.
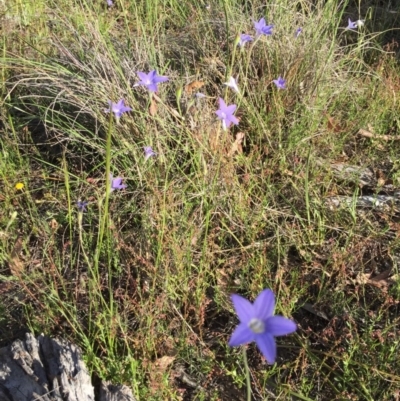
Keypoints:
(225, 114)
(351, 25)
(243, 39)
(118, 108)
(298, 32)
(262, 28)
(258, 323)
(150, 80)
(148, 152)
(280, 83)
(81, 206)
(116, 183)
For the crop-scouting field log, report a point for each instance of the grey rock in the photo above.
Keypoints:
(49, 369)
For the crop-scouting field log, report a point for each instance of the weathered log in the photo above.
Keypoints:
(49, 369)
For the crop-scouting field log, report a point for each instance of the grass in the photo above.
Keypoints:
(141, 280)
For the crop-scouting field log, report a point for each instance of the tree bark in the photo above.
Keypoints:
(48, 369)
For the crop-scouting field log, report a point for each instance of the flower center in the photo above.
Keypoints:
(257, 326)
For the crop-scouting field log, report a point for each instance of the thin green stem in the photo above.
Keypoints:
(306, 188)
(68, 193)
(108, 169)
(247, 371)
(247, 64)
(80, 231)
(227, 34)
(104, 217)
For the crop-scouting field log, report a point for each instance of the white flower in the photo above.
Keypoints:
(232, 84)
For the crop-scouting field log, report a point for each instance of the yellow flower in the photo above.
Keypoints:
(19, 185)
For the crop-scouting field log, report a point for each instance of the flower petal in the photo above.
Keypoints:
(280, 326)
(243, 307)
(142, 75)
(241, 335)
(264, 304)
(230, 109)
(160, 78)
(266, 344)
(221, 115)
(152, 87)
(261, 22)
(222, 104)
(234, 120)
(116, 182)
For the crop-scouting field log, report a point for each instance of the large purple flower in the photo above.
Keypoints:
(258, 323)
(150, 80)
(225, 114)
(262, 28)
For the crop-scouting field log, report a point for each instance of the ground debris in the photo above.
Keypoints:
(378, 202)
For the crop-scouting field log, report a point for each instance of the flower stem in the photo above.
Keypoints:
(247, 370)
(103, 216)
(108, 166)
(227, 36)
(80, 230)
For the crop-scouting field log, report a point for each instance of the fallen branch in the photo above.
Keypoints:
(384, 203)
(368, 134)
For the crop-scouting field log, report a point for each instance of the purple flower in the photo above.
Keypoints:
(352, 25)
(118, 108)
(280, 83)
(148, 152)
(262, 28)
(110, 3)
(225, 113)
(81, 206)
(116, 183)
(258, 323)
(150, 80)
(244, 38)
(298, 32)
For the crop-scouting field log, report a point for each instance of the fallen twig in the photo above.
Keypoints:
(368, 134)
